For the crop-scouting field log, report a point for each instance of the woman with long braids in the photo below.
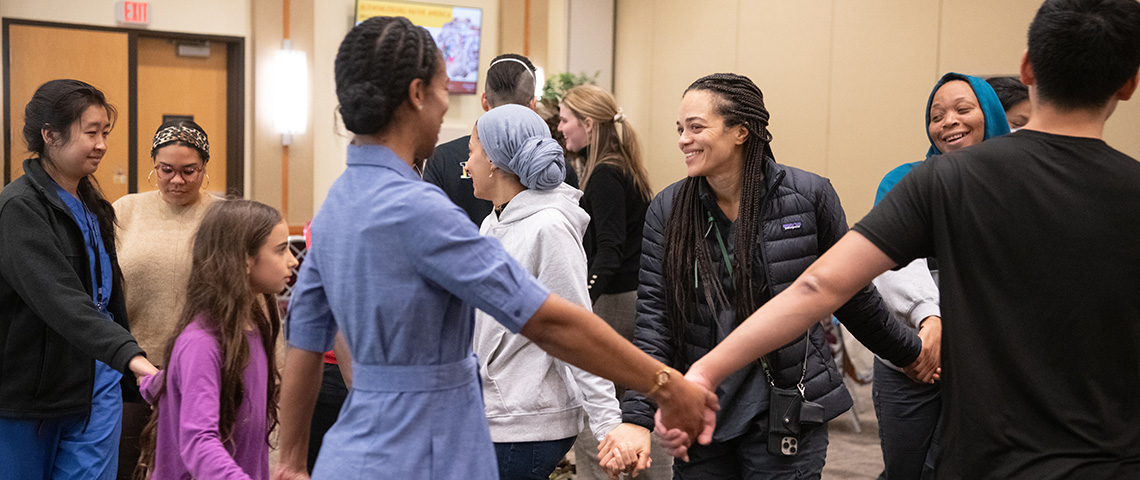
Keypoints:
(399, 269)
(65, 344)
(719, 244)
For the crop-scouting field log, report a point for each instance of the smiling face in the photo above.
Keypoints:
(956, 120)
(711, 149)
(271, 269)
(432, 110)
(180, 172)
(573, 129)
(80, 155)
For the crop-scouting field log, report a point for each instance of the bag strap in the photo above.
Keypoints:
(764, 359)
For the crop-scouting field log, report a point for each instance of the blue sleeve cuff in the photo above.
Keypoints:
(521, 307)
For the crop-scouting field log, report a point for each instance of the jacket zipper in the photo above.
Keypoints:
(763, 244)
(91, 384)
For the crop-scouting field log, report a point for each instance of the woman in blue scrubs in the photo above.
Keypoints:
(63, 325)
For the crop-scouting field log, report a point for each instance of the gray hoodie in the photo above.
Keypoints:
(910, 294)
(529, 395)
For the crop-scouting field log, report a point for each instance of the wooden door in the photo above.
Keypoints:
(38, 54)
(172, 85)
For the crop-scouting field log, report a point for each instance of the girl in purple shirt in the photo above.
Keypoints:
(216, 401)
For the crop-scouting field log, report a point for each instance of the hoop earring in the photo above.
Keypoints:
(207, 181)
(150, 179)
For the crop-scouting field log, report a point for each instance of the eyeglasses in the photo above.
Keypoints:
(189, 173)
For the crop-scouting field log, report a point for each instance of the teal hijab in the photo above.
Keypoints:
(996, 124)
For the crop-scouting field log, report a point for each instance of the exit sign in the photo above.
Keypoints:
(132, 13)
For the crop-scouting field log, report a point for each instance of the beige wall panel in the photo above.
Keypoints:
(550, 18)
(633, 68)
(301, 152)
(266, 184)
(539, 35)
(984, 45)
(330, 139)
(1001, 36)
(590, 39)
(331, 20)
(173, 85)
(98, 58)
(785, 47)
(688, 43)
(1123, 128)
(883, 66)
(512, 19)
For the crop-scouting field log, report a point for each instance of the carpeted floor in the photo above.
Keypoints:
(851, 454)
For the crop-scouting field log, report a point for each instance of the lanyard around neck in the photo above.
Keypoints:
(723, 251)
(713, 226)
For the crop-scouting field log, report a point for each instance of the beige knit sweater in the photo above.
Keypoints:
(154, 242)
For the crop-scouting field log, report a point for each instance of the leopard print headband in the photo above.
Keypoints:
(174, 133)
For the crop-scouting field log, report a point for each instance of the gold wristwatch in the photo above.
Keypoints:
(659, 380)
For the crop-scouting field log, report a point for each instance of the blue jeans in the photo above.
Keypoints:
(530, 460)
(747, 458)
(909, 421)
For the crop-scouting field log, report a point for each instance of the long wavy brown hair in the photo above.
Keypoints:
(219, 297)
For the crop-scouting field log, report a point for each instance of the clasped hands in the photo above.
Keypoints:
(687, 408)
(928, 366)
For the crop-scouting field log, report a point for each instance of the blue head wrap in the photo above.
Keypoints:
(996, 123)
(992, 111)
(517, 140)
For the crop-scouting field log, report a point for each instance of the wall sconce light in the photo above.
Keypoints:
(290, 97)
(539, 81)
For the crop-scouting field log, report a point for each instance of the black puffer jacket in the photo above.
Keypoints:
(802, 218)
(50, 330)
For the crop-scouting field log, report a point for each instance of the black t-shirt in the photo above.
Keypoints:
(1038, 240)
(445, 169)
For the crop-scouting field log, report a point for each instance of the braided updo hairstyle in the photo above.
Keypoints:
(376, 63)
(739, 102)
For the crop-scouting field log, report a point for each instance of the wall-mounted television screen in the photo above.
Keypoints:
(455, 30)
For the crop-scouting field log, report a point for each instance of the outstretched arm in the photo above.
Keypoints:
(846, 268)
(579, 337)
(300, 384)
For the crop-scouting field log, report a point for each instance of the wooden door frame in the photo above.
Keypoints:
(235, 97)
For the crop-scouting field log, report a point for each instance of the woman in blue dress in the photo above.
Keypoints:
(399, 269)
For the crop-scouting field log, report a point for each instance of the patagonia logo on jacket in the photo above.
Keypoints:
(792, 226)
